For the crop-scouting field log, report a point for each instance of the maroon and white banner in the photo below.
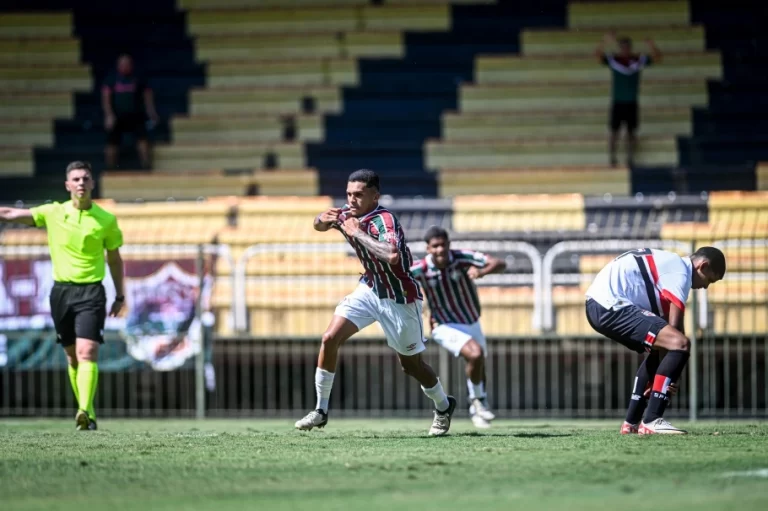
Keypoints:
(159, 324)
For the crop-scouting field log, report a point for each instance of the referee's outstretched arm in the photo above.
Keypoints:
(16, 215)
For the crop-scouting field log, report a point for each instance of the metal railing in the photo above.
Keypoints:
(540, 375)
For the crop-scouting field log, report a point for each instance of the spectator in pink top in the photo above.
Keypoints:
(126, 98)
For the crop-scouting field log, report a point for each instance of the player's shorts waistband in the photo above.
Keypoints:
(76, 284)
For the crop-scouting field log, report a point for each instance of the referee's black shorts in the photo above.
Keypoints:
(78, 310)
(624, 114)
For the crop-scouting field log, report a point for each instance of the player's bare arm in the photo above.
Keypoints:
(380, 249)
(494, 266)
(115, 263)
(326, 219)
(16, 215)
(656, 54)
(609, 38)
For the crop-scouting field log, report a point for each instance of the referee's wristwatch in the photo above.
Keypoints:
(120, 298)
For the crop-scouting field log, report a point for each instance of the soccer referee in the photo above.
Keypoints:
(79, 233)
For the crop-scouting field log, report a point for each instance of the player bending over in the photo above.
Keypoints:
(387, 293)
(447, 278)
(638, 300)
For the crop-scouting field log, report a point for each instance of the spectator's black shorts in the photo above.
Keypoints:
(624, 113)
(631, 326)
(78, 310)
(127, 124)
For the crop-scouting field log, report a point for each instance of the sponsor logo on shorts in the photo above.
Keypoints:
(411, 347)
(648, 313)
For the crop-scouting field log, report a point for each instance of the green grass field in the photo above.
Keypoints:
(372, 465)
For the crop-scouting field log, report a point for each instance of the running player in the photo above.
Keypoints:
(447, 278)
(387, 293)
(82, 237)
(638, 300)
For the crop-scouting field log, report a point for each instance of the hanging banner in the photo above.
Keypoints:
(158, 324)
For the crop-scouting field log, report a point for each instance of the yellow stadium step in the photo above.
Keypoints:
(543, 153)
(178, 157)
(587, 180)
(149, 186)
(45, 105)
(29, 79)
(502, 70)
(300, 46)
(26, 133)
(491, 213)
(458, 126)
(577, 96)
(708, 233)
(245, 129)
(16, 161)
(319, 20)
(263, 101)
(261, 4)
(538, 42)
(36, 25)
(611, 15)
(26, 52)
(305, 73)
(762, 176)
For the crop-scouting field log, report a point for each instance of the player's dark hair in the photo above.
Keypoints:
(715, 258)
(79, 165)
(369, 177)
(436, 232)
(625, 40)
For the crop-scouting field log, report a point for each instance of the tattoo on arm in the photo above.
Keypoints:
(381, 249)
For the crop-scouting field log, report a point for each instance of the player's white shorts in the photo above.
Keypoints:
(401, 322)
(453, 336)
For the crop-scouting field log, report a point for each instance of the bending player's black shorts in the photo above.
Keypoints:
(624, 113)
(78, 310)
(132, 123)
(631, 326)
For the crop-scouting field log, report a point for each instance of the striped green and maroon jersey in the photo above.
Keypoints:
(393, 281)
(451, 294)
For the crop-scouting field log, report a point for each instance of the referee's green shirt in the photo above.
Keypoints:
(77, 240)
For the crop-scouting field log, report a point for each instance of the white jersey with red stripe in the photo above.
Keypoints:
(647, 278)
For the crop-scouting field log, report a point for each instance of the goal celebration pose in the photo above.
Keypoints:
(447, 279)
(387, 293)
(638, 300)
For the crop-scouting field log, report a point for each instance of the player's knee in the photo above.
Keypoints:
(409, 367)
(87, 351)
(679, 342)
(473, 352)
(330, 340)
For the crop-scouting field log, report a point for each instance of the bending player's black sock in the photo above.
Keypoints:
(669, 370)
(645, 374)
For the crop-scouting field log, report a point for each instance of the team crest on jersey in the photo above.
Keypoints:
(456, 274)
(390, 237)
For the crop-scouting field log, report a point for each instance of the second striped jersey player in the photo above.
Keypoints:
(387, 294)
(447, 277)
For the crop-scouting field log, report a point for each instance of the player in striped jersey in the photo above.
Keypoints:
(638, 300)
(447, 279)
(387, 293)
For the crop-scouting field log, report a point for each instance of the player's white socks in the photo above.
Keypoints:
(476, 390)
(437, 394)
(323, 386)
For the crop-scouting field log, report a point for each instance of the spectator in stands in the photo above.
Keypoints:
(125, 98)
(625, 68)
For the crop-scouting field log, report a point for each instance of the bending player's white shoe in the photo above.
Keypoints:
(442, 421)
(314, 419)
(659, 427)
(480, 423)
(481, 409)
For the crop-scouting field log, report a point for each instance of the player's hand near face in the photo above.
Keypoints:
(326, 219)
